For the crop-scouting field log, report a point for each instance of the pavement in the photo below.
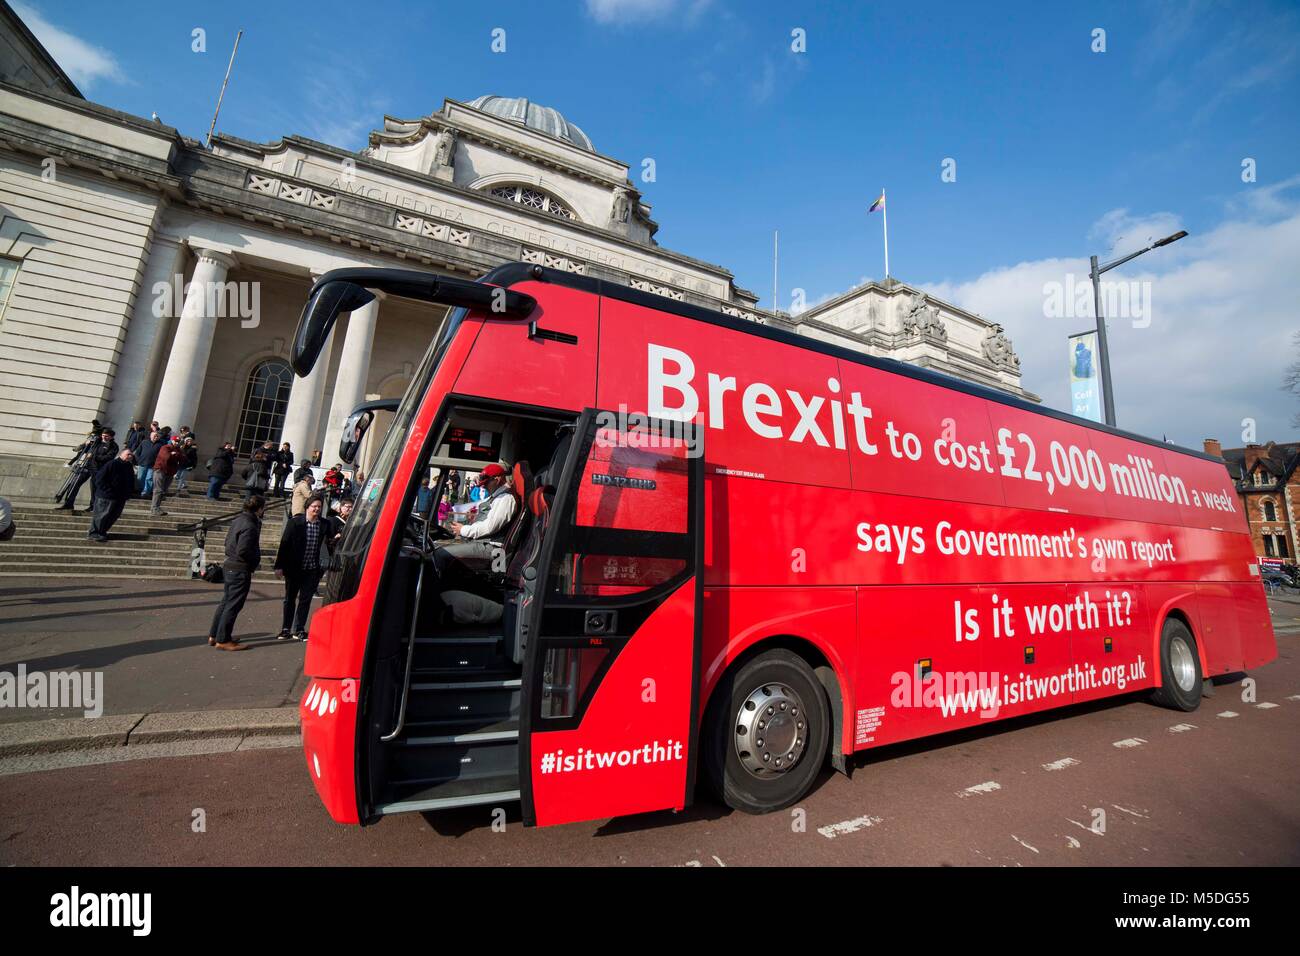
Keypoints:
(161, 682)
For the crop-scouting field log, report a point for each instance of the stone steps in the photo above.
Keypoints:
(53, 542)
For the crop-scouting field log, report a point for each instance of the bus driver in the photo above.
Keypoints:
(478, 541)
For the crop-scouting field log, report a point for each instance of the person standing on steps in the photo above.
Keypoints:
(189, 457)
(135, 434)
(165, 465)
(301, 561)
(145, 453)
(95, 454)
(301, 494)
(114, 483)
(220, 468)
(283, 468)
(243, 556)
(257, 476)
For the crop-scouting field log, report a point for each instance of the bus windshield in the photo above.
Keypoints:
(370, 497)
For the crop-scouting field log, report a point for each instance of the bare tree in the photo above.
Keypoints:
(1291, 381)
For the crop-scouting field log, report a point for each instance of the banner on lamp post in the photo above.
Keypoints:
(1085, 383)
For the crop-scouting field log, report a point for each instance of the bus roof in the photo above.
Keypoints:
(511, 273)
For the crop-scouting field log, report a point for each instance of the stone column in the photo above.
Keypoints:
(303, 414)
(187, 363)
(156, 303)
(354, 370)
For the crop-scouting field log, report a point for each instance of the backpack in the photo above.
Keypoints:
(213, 574)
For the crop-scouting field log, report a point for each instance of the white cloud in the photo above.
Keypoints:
(85, 63)
(622, 11)
(1119, 233)
(1223, 313)
(640, 11)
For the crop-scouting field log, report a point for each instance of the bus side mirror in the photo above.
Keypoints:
(327, 302)
(354, 429)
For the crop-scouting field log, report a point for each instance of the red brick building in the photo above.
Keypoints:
(1268, 484)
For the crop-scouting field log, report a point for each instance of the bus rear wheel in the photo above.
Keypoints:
(765, 733)
(1180, 668)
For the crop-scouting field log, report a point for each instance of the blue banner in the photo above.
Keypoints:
(1085, 380)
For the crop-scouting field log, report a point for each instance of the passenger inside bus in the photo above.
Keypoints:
(479, 558)
(476, 542)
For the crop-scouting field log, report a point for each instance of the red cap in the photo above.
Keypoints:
(491, 471)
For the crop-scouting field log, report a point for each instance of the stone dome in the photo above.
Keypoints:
(544, 119)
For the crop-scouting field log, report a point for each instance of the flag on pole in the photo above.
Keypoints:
(880, 204)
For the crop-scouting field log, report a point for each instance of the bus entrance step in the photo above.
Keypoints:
(433, 758)
(419, 732)
(469, 670)
(483, 700)
(492, 791)
(458, 653)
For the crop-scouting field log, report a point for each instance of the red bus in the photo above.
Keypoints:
(735, 552)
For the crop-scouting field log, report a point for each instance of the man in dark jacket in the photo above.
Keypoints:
(301, 561)
(95, 453)
(114, 483)
(136, 434)
(282, 469)
(220, 467)
(243, 555)
(145, 453)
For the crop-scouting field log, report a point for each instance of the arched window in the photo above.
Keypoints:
(265, 399)
(1270, 510)
(533, 199)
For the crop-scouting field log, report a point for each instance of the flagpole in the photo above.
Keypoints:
(884, 207)
(776, 253)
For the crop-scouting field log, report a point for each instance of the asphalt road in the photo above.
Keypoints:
(1118, 782)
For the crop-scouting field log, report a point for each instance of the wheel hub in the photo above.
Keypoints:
(771, 731)
(1182, 663)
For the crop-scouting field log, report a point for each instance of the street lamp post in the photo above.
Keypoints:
(1107, 397)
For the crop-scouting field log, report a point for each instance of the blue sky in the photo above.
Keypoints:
(1060, 151)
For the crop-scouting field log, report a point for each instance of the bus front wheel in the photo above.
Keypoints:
(1180, 668)
(765, 733)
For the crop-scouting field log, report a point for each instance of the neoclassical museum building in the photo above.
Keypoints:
(112, 227)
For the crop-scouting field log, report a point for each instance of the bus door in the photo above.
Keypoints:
(612, 665)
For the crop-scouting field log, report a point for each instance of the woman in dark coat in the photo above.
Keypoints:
(257, 476)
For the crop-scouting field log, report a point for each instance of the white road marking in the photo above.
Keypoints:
(1181, 728)
(848, 826)
(692, 863)
(719, 862)
(1061, 764)
(1023, 843)
(1127, 810)
(1129, 742)
(986, 787)
(1083, 826)
(1227, 713)
(1267, 705)
(1294, 697)
(1073, 843)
